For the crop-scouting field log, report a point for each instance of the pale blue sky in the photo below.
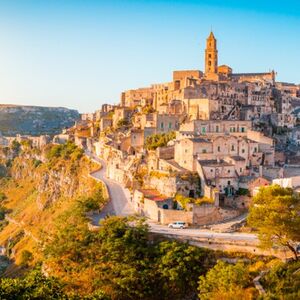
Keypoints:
(80, 54)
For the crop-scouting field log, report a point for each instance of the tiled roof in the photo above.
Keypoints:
(153, 195)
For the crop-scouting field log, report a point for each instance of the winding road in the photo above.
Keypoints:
(120, 204)
(120, 198)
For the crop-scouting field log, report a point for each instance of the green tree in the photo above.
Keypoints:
(16, 147)
(26, 258)
(179, 267)
(283, 281)
(33, 286)
(226, 281)
(159, 140)
(275, 213)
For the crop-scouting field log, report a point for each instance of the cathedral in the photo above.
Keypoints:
(215, 73)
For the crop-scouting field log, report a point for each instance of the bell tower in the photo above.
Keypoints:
(211, 58)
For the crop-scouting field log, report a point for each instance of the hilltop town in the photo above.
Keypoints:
(199, 147)
(169, 194)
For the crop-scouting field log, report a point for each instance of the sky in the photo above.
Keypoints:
(83, 53)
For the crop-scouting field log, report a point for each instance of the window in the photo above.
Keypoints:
(228, 182)
(170, 125)
(211, 170)
(185, 150)
(255, 149)
(203, 150)
(228, 171)
(203, 129)
(242, 129)
(243, 150)
(217, 128)
(232, 148)
(161, 125)
(241, 170)
(219, 149)
(209, 55)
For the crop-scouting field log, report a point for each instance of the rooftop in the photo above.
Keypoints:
(153, 195)
(214, 163)
(237, 158)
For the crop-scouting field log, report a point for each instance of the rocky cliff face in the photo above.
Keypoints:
(35, 120)
(64, 179)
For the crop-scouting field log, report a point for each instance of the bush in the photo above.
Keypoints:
(283, 281)
(93, 202)
(2, 213)
(15, 146)
(123, 123)
(36, 163)
(159, 140)
(243, 192)
(26, 258)
(65, 151)
(224, 280)
(2, 197)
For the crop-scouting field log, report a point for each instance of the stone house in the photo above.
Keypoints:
(217, 174)
(132, 98)
(105, 122)
(147, 202)
(121, 113)
(186, 151)
(217, 127)
(256, 183)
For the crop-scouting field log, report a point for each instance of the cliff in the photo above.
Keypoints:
(40, 187)
(35, 120)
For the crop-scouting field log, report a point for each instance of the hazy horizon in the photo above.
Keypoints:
(81, 54)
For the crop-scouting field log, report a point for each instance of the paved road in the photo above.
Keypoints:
(202, 233)
(228, 226)
(120, 203)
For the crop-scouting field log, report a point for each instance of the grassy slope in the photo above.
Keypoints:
(22, 197)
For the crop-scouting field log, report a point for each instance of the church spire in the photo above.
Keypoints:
(211, 57)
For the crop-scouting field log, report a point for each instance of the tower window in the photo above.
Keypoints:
(209, 55)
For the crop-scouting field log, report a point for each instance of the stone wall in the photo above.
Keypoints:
(166, 216)
(170, 185)
(209, 214)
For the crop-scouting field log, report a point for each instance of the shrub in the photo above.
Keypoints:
(3, 197)
(159, 140)
(65, 151)
(26, 258)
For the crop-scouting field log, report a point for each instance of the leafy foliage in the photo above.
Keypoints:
(34, 286)
(65, 151)
(15, 146)
(123, 123)
(226, 281)
(283, 281)
(275, 213)
(120, 261)
(26, 258)
(159, 140)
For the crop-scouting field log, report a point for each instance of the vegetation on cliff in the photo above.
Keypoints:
(275, 213)
(39, 187)
(47, 196)
(159, 140)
